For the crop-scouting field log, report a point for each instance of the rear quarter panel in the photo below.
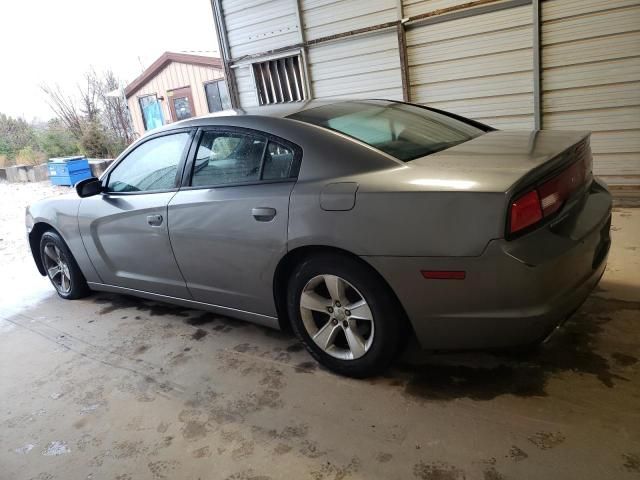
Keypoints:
(397, 221)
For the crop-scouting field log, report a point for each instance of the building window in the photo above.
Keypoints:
(279, 80)
(217, 96)
(181, 103)
(151, 111)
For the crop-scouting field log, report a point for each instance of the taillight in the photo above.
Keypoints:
(554, 192)
(548, 197)
(525, 211)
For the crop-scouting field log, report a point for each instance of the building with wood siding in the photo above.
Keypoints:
(176, 86)
(524, 64)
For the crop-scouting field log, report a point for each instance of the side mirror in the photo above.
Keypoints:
(89, 187)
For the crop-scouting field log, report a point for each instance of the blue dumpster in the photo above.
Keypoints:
(68, 170)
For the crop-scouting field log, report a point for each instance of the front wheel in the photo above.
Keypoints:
(61, 267)
(344, 314)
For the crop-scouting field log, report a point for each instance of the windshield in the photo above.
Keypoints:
(402, 130)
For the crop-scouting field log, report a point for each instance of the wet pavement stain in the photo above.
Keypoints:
(384, 457)
(623, 359)
(492, 474)
(296, 347)
(631, 462)
(141, 349)
(202, 319)
(199, 334)
(437, 471)
(571, 349)
(115, 302)
(448, 382)
(517, 454)
(306, 367)
(547, 440)
(202, 452)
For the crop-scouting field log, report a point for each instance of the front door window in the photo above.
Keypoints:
(153, 166)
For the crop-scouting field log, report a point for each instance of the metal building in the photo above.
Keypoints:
(562, 64)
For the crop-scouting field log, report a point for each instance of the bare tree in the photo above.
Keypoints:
(64, 108)
(115, 112)
(89, 96)
(93, 112)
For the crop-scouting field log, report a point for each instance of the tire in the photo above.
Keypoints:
(377, 341)
(68, 280)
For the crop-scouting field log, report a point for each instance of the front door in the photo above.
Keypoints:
(181, 103)
(125, 229)
(228, 226)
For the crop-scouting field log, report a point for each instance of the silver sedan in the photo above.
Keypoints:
(357, 224)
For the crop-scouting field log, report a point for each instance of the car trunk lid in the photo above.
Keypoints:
(500, 161)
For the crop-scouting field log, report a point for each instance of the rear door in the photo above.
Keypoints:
(125, 229)
(228, 223)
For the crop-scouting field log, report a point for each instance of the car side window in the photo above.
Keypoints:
(226, 158)
(150, 167)
(278, 162)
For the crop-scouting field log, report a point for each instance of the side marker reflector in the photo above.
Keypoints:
(444, 274)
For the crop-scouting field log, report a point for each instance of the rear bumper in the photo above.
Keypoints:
(516, 292)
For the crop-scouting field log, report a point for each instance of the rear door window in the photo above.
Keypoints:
(226, 158)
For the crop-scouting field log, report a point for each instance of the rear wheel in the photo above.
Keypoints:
(344, 314)
(61, 267)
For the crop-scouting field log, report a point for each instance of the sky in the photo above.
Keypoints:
(57, 41)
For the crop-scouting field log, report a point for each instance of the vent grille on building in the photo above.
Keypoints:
(279, 81)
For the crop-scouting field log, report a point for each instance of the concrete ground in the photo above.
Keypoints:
(111, 387)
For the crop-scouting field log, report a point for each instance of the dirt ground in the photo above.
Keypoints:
(112, 387)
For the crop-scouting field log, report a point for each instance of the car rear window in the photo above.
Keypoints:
(401, 130)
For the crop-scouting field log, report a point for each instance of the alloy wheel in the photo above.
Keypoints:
(57, 268)
(337, 317)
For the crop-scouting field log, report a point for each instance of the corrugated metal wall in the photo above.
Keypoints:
(246, 88)
(417, 7)
(174, 75)
(255, 26)
(591, 77)
(328, 17)
(359, 67)
(480, 67)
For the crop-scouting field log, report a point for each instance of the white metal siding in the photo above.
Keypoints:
(366, 66)
(591, 77)
(328, 17)
(480, 67)
(246, 88)
(255, 26)
(417, 7)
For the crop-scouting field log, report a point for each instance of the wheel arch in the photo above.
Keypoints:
(294, 257)
(35, 235)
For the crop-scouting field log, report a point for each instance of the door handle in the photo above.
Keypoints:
(263, 214)
(154, 220)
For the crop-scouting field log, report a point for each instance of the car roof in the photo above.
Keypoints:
(282, 110)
